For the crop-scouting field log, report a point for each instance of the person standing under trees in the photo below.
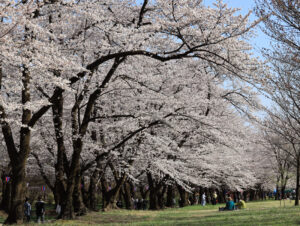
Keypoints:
(40, 209)
(58, 209)
(203, 200)
(214, 198)
(27, 209)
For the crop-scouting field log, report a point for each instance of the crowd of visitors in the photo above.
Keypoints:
(138, 204)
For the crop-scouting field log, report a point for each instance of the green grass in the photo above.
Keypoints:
(257, 213)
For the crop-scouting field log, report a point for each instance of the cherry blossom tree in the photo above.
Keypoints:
(280, 153)
(65, 55)
(282, 87)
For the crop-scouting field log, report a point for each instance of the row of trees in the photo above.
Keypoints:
(117, 93)
(281, 124)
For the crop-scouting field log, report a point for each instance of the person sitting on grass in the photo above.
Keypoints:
(229, 205)
(241, 204)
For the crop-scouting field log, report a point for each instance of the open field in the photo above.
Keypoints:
(257, 213)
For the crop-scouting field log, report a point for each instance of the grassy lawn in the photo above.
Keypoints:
(257, 213)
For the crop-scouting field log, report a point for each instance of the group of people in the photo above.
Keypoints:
(39, 210)
(140, 204)
(213, 200)
(231, 206)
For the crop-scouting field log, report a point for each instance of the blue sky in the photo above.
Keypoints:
(261, 40)
(258, 42)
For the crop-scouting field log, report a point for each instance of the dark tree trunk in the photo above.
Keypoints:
(110, 196)
(67, 210)
(79, 130)
(62, 163)
(184, 197)
(245, 196)
(144, 192)
(252, 195)
(277, 195)
(132, 190)
(98, 172)
(283, 184)
(127, 196)
(153, 199)
(263, 194)
(91, 202)
(153, 196)
(92, 199)
(220, 196)
(79, 207)
(297, 181)
(84, 193)
(56, 194)
(18, 159)
(16, 213)
(160, 197)
(6, 194)
(235, 196)
(195, 199)
(170, 196)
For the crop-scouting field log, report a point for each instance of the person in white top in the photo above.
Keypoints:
(58, 209)
(203, 199)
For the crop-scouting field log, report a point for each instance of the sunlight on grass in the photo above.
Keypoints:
(257, 213)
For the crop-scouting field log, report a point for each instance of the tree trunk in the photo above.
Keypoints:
(170, 196)
(84, 193)
(127, 196)
(252, 195)
(144, 192)
(92, 199)
(220, 196)
(79, 207)
(61, 165)
(132, 190)
(153, 198)
(283, 191)
(110, 196)
(6, 194)
(297, 181)
(283, 185)
(67, 210)
(110, 201)
(195, 199)
(16, 213)
(183, 197)
(18, 159)
(245, 195)
(56, 195)
(277, 195)
(160, 197)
